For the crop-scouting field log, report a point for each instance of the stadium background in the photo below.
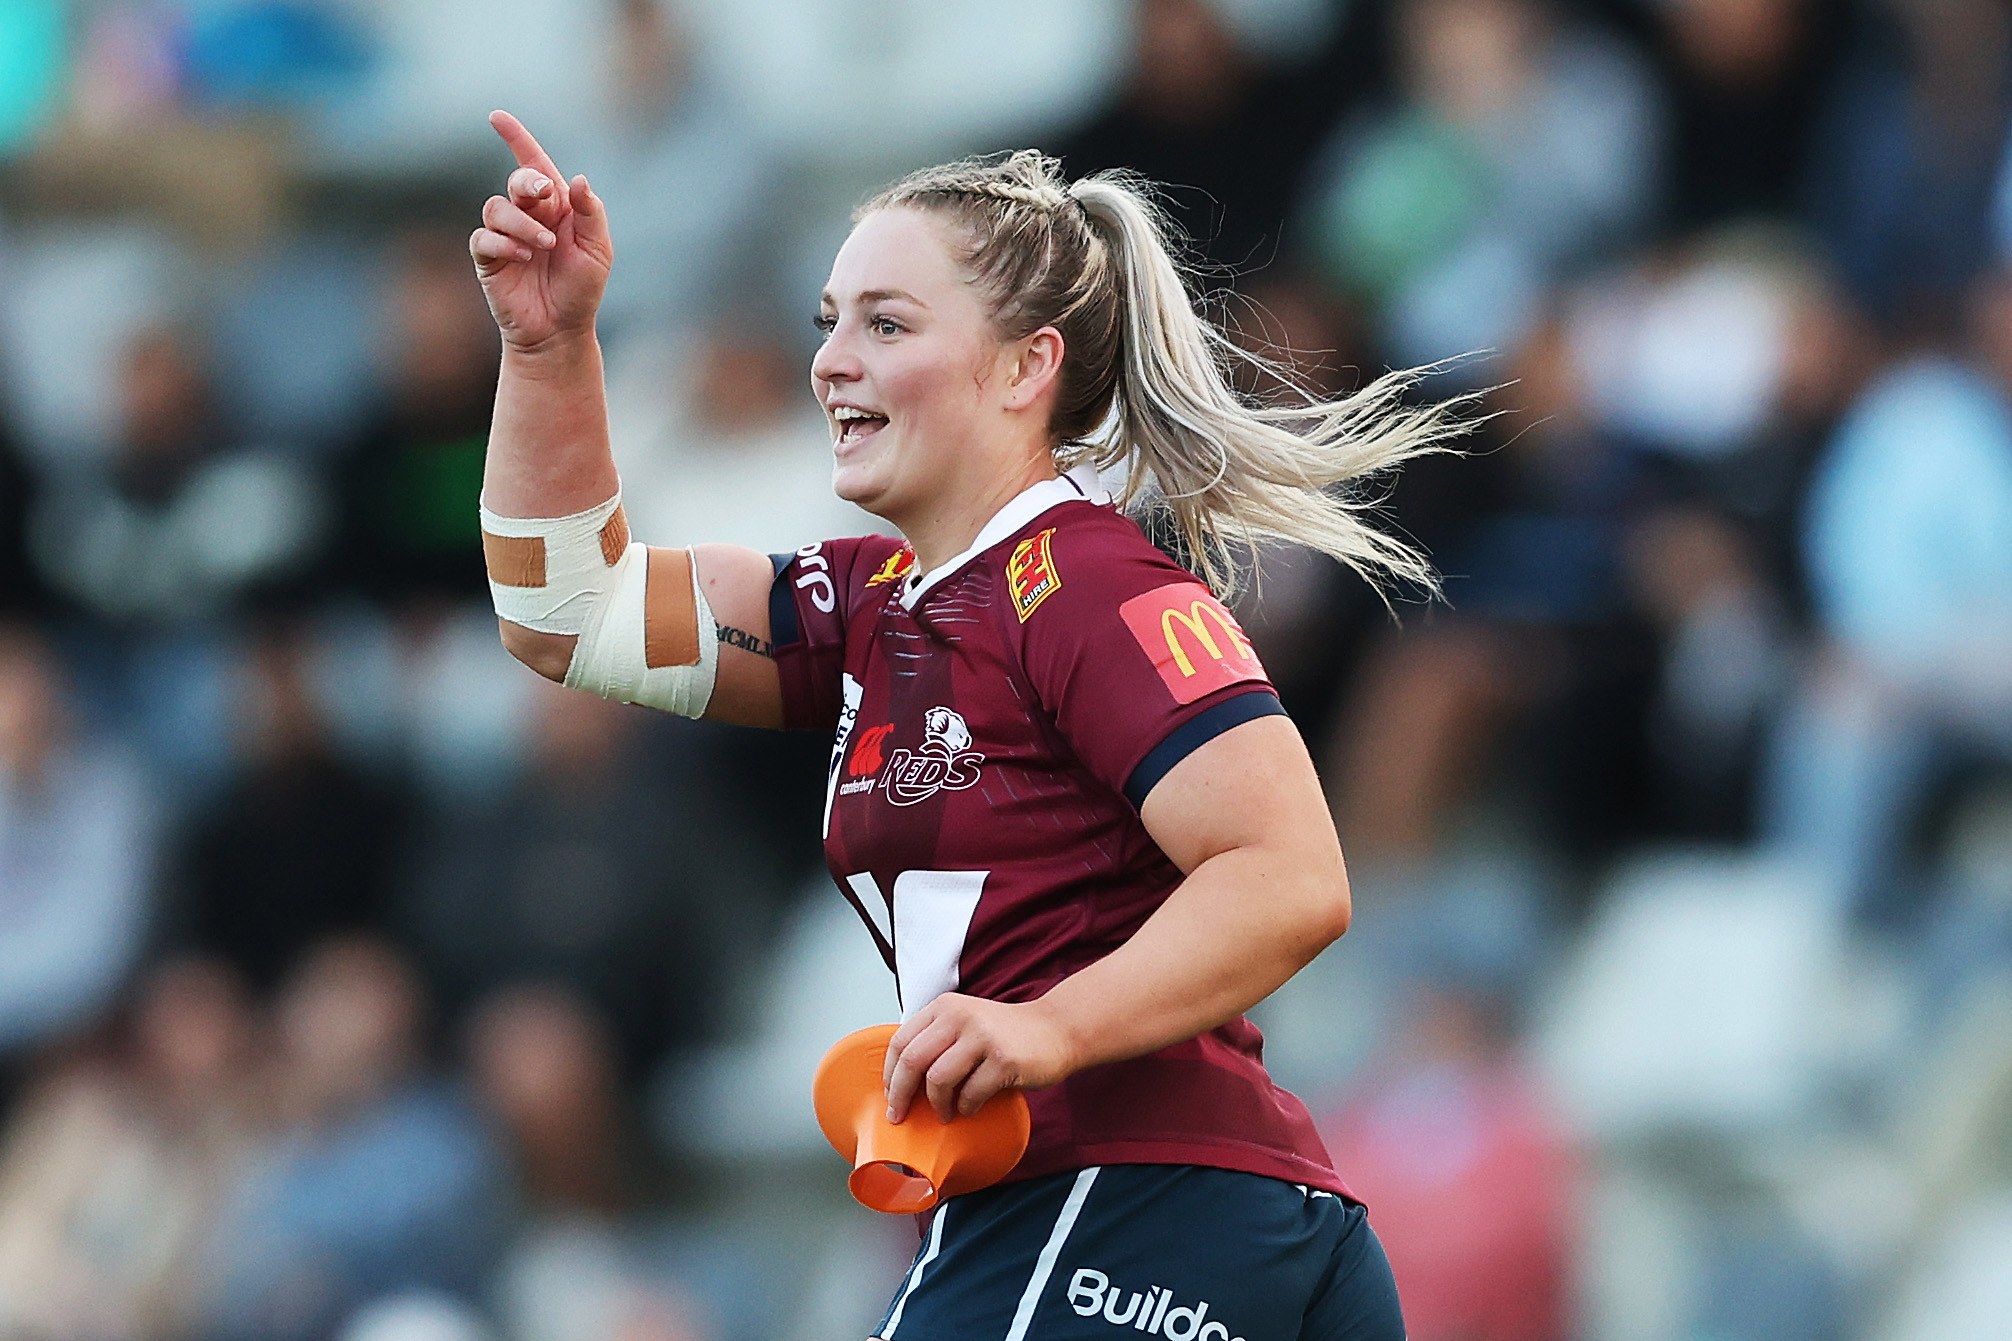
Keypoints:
(356, 983)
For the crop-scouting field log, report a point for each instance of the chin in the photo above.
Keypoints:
(857, 486)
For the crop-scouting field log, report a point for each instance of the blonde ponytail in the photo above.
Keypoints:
(1146, 379)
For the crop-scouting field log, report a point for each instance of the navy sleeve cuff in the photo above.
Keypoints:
(1194, 733)
(782, 628)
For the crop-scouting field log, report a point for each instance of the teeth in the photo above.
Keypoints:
(845, 413)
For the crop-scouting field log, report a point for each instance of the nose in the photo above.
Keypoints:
(835, 360)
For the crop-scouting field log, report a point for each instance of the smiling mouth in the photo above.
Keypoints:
(856, 426)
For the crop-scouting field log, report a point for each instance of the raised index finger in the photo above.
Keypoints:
(524, 144)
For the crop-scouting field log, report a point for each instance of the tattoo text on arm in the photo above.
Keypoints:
(746, 641)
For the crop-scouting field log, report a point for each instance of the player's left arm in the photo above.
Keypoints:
(1243, 816)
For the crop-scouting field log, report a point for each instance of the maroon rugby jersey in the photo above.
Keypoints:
(997, 726)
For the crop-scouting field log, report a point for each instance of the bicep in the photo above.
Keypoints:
(736, 581)
(1251, 787)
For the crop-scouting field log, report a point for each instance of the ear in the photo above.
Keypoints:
(1034, 368)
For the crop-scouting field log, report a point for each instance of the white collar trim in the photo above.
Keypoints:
(1022, 508)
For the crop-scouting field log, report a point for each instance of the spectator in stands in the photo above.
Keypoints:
(584, 1265)
(1471, 1177)
(688, 176)
(1907, 158)
(116, 1164)
(1539, 669)
(20, 585)
(300, 845)
(1201, 113)
(1908, 539)
(78, 835)
(178, 522)
(1746, 79)
(721, 433)
(406, 532)
(1522, 145)
(610, 867)
(381, 1177)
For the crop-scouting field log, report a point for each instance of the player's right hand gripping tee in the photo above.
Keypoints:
(645, 631)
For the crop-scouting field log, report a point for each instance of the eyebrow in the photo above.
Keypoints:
(878, 296)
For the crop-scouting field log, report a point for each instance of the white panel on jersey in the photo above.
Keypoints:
(848, 717)
(932, 913)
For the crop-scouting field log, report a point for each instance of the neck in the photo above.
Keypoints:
(947, 529)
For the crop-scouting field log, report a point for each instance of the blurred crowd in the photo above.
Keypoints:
(356, 983)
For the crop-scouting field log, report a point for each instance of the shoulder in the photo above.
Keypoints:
(851, 568)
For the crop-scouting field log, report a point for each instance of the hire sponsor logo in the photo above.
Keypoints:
(1030, 573)
(1195, 644)
(1152, 1310)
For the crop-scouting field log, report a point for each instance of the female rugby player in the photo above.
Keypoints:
(1062, 793)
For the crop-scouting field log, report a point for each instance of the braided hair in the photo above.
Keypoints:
(1146, 382)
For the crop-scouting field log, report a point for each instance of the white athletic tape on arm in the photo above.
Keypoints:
(548, 573)
(645, 630)
(636, 644)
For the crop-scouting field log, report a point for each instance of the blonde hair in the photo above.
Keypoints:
(1146, 378)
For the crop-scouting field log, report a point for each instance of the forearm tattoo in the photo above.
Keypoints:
(746, 641)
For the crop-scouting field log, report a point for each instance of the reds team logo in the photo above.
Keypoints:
(1195, 644)
(946, 761)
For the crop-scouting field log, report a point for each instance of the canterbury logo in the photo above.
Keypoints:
(1151, 1310)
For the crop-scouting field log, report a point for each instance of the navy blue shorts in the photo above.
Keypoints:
(1127, 1251)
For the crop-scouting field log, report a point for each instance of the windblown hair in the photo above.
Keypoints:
(1146, 379)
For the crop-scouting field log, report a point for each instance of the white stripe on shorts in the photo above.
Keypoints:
(1044, 1265)
(915, 1276)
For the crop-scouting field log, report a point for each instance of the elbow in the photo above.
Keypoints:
(1335, 904)
(1335, 918)
(1340, 914)
(550, 654)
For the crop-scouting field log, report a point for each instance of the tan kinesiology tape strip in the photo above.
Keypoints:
(547, 573)
(638, 611)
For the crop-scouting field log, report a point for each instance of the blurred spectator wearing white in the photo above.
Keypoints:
(78, 836)
(175, 522)
(117, 1162)
(690, 182)
(380, 1178)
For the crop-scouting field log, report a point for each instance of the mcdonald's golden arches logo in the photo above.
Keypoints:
(1192, 640)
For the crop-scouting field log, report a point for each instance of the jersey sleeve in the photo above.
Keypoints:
(816, 592)
(1137, 663)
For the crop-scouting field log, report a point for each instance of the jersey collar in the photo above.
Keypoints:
(1023, 507)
